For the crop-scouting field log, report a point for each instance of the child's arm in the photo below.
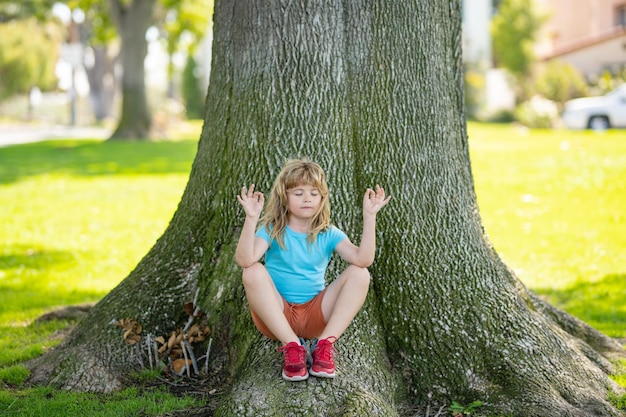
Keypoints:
(363, 255)
(250, 248)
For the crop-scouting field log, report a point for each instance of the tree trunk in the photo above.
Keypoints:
(101, 79)
(132, 20)
(373, 91)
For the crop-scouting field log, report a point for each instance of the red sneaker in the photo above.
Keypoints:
(324, 358)
(294, 368)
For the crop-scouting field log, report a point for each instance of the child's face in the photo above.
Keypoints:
(303, 201)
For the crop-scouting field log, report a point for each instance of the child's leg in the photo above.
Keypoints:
(343, 299)
(267, 303)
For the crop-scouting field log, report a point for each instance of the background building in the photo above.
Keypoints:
(588, 34)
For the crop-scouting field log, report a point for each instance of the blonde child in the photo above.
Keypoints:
(287, 295)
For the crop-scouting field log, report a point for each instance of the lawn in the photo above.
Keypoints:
(554, 205)
(77, 216)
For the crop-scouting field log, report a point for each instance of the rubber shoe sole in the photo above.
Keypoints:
(322, 374)
(295, 378)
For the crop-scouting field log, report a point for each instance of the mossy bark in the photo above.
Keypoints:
(373, 91)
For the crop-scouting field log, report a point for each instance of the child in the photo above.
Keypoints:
(287, 297)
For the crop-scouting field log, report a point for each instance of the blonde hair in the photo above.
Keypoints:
(296, 172)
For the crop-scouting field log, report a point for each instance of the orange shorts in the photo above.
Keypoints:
(306, 320)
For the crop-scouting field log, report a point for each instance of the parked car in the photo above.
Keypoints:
(597, 113)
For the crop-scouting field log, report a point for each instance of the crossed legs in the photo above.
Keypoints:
(342, 301)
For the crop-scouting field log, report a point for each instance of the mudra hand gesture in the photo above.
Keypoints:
(373, 201)
(251, 201)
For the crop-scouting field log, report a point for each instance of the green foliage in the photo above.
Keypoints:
(28, 54)
(560, 81)
(459, 410)
(537, 113)
(191, 17)
(609, 80)
(192, 94)
(502, 116)
(98, 20)
(20, 9)
(513, 32)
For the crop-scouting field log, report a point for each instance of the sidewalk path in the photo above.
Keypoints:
(14, 134)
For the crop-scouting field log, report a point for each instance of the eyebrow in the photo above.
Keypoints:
(302, 188)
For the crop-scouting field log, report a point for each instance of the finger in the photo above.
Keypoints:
(367, 194)
(251, 190)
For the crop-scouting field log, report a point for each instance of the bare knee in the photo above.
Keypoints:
(358, 275)
(253, 274)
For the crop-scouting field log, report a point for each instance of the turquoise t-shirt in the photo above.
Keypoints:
(298, 270)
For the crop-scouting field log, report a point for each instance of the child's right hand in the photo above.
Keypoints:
(251, 201)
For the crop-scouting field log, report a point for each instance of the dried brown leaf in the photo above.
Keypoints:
(172, 340)
(189, 308)
(179, 365)
(133, 339)
(193, 330)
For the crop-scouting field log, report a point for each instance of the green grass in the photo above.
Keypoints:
(554, 205)
(47, 402)
(77, 215)
(21, 343)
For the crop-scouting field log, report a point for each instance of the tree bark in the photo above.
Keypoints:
(373, 91)
(132, 20)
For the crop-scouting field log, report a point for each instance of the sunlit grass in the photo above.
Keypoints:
(77, 216)
(21, 343)
(554, 205)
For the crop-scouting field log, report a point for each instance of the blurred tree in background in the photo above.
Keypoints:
(29, 50)
(111, 34)
(560, 81)
(514, 30)
(29, 46)
(184, 24)
(178, 22)
(191, 90)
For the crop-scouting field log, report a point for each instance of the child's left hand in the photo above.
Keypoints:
(373, 201)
